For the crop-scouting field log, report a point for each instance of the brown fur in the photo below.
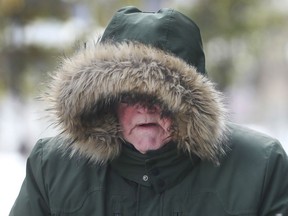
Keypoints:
(87, 85)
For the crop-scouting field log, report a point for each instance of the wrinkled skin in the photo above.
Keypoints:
(144, 127)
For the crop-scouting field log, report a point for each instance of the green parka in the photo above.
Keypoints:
(251, 180)
(211, 167)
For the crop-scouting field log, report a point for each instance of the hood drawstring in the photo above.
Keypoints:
(116, 205)
(177, 210)
(137, 199)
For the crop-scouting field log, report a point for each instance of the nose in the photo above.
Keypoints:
(147, 109)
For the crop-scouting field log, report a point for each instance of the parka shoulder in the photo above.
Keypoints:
(65, 175)
(55, 160)
(249, 144)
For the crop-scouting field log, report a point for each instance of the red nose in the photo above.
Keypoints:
(145, 109)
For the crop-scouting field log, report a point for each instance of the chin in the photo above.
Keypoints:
(145, 147)
(147, 143)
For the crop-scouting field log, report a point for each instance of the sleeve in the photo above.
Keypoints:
(275, 189)
(32, 199)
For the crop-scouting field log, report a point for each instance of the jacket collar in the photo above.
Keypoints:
(160, 169)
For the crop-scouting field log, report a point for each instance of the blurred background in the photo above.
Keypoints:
(246, 52)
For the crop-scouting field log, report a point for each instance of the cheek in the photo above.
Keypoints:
(124, 117)
(166, 123)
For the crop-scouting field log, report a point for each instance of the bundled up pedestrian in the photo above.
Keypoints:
(145, 132)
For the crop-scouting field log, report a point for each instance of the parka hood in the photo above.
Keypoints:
(86, 88)
(166, 29)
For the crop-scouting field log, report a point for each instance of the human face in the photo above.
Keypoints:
(144, 127)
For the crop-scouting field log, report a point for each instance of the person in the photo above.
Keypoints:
(145, 132)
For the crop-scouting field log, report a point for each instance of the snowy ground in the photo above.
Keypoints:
(12, 169)
(20, 124)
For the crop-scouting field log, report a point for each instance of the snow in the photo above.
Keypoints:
(12, 169)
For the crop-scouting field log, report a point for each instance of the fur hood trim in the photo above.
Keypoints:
(84, 90)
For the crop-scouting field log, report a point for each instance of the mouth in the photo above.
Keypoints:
(147, 125)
